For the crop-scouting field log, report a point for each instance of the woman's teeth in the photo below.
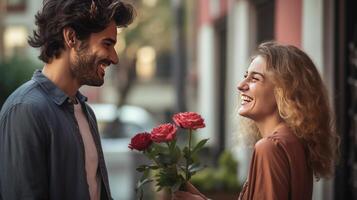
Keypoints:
(246, 98)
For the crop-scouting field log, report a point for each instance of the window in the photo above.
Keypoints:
(15, 40)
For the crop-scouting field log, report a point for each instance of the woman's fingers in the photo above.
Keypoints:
(180, 195)
(190, 188)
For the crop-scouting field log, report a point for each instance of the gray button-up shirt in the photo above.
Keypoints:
(41, 149)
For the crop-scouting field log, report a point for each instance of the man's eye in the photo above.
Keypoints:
(107, 43)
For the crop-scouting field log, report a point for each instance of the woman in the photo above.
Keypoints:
(283, 93)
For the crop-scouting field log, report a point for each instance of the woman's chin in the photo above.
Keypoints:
(242, 112)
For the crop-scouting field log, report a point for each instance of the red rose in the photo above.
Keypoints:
(140, 141)
(189, 120)
(163, 133)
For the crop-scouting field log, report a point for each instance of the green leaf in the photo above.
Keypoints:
(153, 167)
(143, 182)
(164, 159)
(145, 174)
(161, 147)
(200, 145)
(158, 189)
(172, 145)
(167, 177)
(141, 168)
(195, 167)
(183, 167)
(141, 195)
(176, 155)
(185, 152)
(177, 185)
(189, 159)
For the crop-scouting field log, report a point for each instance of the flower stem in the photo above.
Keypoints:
(147, 153)
(189, 154)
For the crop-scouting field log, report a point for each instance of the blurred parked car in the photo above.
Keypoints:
(117, 126)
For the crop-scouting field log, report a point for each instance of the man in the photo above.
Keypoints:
(49, 142)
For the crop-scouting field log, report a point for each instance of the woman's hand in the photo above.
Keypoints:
(190, 193)
(181, 195)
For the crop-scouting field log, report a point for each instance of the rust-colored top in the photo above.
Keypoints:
(279, 169)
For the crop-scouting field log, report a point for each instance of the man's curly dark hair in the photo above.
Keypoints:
(83, 16)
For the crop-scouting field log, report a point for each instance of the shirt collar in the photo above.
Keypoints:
(56, 94)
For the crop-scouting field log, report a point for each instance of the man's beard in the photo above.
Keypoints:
(84, 68)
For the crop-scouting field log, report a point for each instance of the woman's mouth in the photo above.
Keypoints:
(245, 99)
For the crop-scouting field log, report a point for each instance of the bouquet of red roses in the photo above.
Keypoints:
(172, 166)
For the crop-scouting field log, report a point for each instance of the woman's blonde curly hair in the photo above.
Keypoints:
(303, 103)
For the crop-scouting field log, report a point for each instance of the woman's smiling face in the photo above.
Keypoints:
(257, 92)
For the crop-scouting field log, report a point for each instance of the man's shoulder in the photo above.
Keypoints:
(29, 94)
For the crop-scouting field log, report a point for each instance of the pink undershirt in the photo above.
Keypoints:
(91, 154)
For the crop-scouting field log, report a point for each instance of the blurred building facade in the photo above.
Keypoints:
(16, 23)
(227, 31)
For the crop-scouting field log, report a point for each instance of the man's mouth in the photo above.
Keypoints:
(245, 99)
(102, 66)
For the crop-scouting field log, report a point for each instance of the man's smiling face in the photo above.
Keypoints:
(94, 55)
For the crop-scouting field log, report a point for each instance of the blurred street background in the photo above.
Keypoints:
(188, 55)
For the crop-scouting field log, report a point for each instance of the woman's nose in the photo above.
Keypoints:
(242, 86)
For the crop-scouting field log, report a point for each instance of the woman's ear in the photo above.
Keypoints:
(69, 36)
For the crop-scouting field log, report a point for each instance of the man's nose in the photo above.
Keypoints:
(114, 57)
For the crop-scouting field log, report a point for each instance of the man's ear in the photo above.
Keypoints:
(69, 36)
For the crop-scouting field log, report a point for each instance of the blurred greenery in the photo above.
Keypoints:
(223, 178)
(151, 27)
(15, 71)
